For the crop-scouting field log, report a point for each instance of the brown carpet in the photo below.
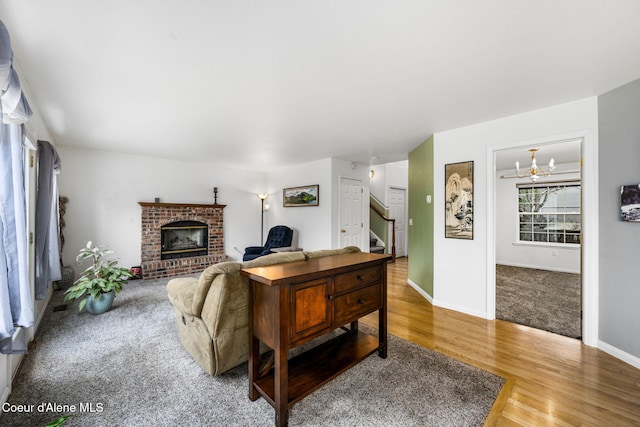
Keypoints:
(541, 299)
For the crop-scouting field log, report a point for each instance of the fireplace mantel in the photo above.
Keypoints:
(155, 215)
(179, 205)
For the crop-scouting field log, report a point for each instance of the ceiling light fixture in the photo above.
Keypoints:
(535, 171)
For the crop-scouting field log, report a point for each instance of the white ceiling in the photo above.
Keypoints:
(265, 84)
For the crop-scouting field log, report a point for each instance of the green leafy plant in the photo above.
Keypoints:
(59, 421)
(101, 277)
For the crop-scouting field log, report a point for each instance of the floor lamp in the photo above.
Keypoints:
(263, 208)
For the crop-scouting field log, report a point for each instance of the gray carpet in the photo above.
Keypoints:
(542, 299)
(130, 366)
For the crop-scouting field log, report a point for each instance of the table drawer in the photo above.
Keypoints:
(355, 279)
(351, 306)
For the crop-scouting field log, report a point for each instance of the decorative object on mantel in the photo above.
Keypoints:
(534, 171)
(215, 195)
(630, 203)
(308, 195)
(98, 285)
(156, 200)
(459, 200)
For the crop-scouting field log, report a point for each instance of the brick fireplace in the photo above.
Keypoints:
(155, 216)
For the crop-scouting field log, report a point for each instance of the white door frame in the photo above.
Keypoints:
(590, 239)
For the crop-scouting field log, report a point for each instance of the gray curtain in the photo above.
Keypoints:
(16, 302)
(47, 246)
(16, 306)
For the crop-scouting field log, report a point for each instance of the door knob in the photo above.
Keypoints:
(343, 231)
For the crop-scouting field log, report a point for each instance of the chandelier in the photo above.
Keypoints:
(535, 171)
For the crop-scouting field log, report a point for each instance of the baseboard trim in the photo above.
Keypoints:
(5, 394)
(619, 354)
(440, 304)
(420, 290)
(11, 364)
(460, 309)
(41, 314)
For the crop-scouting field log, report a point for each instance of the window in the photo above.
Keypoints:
(549, 213)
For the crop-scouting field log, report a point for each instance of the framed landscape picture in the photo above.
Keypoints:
(301, 196)
(458, 178)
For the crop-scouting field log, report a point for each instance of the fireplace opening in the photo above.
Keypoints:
(182, 239)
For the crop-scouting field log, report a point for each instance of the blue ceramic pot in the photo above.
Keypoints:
(100, 304)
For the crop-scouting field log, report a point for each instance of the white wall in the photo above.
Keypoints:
(397, 174)
(104, 190)
(378, 184)
(460, 276)
(387, 175)
(312, 223)
(540, 256)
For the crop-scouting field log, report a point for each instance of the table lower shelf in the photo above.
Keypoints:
(319, 365)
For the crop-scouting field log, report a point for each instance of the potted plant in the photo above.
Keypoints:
(100, 282)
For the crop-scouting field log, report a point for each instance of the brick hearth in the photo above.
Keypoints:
(155, 215)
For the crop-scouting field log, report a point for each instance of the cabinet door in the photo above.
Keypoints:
(310, 309)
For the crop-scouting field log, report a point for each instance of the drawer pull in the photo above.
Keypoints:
(361, 301)
(360, 276)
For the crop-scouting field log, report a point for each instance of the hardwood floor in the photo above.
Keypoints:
(550, 379)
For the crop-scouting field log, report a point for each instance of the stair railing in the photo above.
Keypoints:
(393, 230)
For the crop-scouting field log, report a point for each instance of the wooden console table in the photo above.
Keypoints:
(293, 303)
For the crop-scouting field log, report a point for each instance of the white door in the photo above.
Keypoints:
(397, 211)
(350, 212)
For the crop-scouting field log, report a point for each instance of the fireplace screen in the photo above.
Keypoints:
(183, 239)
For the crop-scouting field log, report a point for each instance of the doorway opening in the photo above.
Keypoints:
(538, 280)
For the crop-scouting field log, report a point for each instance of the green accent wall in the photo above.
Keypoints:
(421, 213)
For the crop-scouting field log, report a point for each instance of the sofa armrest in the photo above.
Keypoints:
(188, 294)
(181, 292)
